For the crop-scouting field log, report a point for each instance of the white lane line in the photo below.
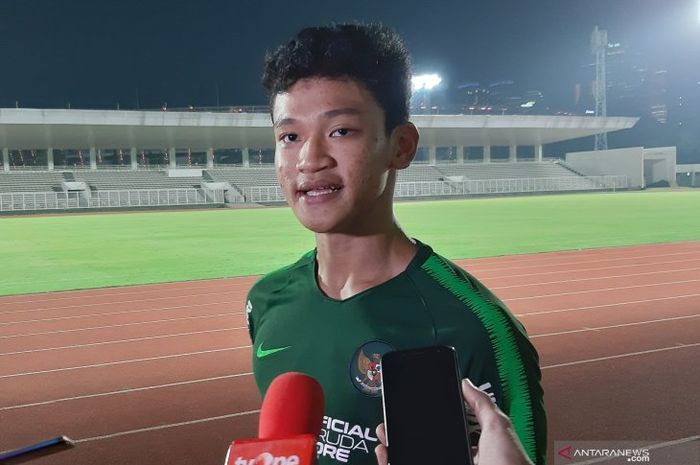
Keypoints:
(658, 445)
(580, 262)
(631, 275)
(125, 391)
(123, 362)
(123, 341)
(582, 270)
(92, 328)
(87, 279)
(201, 283)
(603, 289)
(251, 412)
(659, 249)
(591, 307)
(177, 286)
(611, 357)
(138, 288)
(622, 325)
(170, 425)
(125, 312)
(107, 304)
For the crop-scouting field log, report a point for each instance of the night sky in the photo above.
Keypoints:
(97, 54)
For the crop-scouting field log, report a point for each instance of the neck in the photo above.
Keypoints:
(348, 264)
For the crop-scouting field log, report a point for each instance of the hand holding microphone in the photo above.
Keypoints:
(290, 422)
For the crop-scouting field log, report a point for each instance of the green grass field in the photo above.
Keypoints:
(49, 253)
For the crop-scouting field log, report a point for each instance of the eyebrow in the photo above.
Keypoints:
(327, 115)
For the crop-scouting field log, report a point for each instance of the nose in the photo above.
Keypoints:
(314, 156)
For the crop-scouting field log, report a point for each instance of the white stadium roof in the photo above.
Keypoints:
(70, 129)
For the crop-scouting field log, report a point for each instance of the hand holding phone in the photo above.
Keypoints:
(423, 407)
(498, 443)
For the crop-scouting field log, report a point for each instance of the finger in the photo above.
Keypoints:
(382, 455)
(381, 433)
(487, 414)
(478, 401)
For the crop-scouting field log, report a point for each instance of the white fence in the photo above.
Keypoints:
(473, 187)
(28, 201)
(263, 194)
(510, 186)
(108, 199)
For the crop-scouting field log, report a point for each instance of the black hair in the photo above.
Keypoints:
(371, 54)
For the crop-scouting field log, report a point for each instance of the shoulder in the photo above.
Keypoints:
(270, 285)
(277, 280)
(442, 273)
(499, 353)
(475, 298)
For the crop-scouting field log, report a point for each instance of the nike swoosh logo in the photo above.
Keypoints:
(262, 353)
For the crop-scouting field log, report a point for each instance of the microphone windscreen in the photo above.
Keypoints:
(293, 405)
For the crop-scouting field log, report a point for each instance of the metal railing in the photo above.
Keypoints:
(472, 187)
(28, 168)
(263, 194)
(100, 167)
(509, 186)
(31, 201)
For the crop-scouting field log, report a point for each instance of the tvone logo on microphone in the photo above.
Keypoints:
(268, 459)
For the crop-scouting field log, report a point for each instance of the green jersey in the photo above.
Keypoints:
(294, 326)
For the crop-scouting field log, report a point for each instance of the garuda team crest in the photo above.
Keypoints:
(365, 368)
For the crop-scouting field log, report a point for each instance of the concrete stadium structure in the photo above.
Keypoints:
(688, 175)
(72, 159)
(131, 132)
(643, 167)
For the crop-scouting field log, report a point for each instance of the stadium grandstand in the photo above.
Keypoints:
(73, 159)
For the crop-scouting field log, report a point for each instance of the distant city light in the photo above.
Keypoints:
(425, 81)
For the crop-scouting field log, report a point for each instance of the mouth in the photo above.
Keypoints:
(319, 190)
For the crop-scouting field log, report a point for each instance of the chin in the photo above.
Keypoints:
(317, 220)
(324, 224)
(318, 227)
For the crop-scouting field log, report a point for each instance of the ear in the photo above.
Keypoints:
(405, 143)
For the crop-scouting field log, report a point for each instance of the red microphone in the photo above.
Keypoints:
(290, 422)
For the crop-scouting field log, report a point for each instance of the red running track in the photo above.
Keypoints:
(161, 373)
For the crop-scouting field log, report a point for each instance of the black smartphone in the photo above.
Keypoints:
(424, 413)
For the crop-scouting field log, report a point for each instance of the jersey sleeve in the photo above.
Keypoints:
(514, 380)
(493, 350)
(249, 318)
(260, 293)
(255, 304)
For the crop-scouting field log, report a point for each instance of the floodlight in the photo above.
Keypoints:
(425, 81)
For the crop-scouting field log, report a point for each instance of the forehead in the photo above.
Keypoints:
(312, 97)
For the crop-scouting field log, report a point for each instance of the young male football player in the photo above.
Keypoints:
(340, 98)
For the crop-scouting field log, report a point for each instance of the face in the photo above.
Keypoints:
(334, 161)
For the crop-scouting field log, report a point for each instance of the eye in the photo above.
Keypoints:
(341, 132)
(289, 137)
